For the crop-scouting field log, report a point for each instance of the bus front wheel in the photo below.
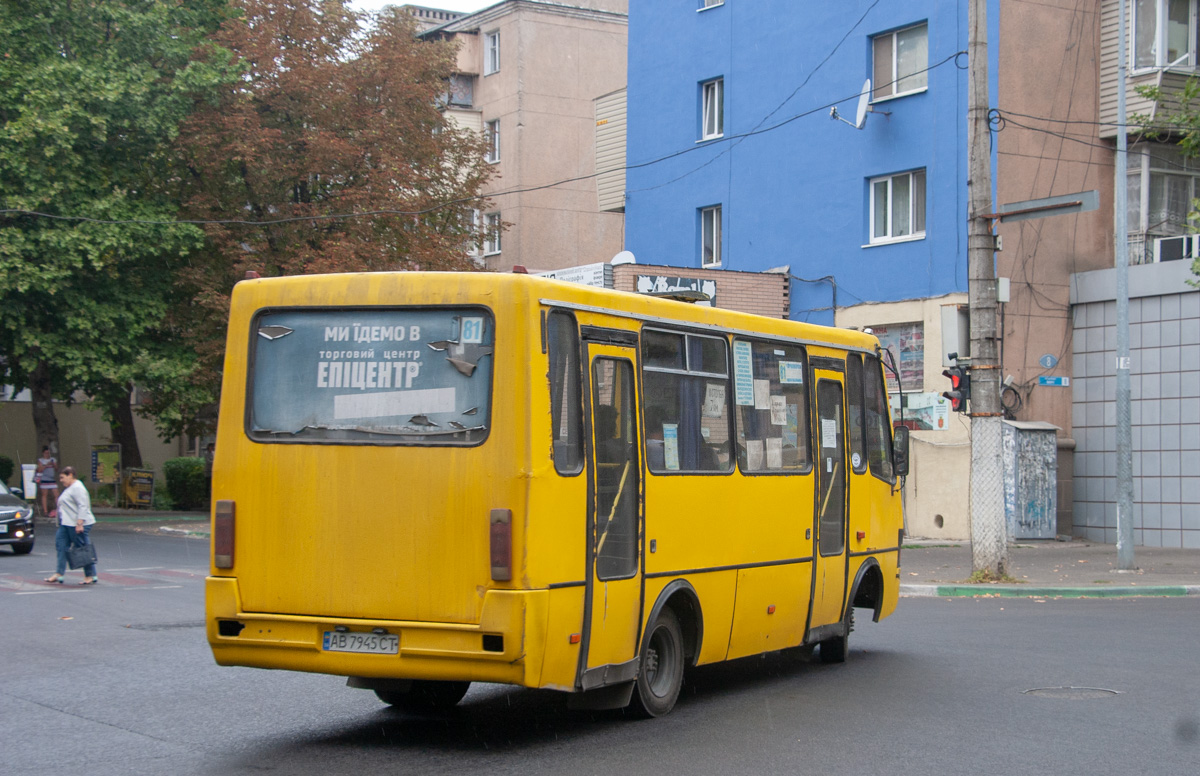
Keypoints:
(661, 672)
(425, 695)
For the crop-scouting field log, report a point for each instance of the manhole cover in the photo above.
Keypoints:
(1071, 693)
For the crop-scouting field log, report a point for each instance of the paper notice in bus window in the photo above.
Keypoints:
(762, 394)
(714, 400)
(774, 453)
(778, 410)
(754, 454)
(828, 432)
(791, 373)
(743, 374)
(671, 446)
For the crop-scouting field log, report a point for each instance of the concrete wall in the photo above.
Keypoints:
(934, 493)
(555, 59)
(79, 429)
(1164, 343)
(1049, 60)
(797, 191)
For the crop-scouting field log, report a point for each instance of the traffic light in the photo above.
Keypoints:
(960, 388)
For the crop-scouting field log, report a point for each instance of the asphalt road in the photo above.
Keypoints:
(117, 679)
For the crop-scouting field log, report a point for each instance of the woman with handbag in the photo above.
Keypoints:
(75, 521)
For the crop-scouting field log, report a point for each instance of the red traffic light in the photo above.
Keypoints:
(960, 388)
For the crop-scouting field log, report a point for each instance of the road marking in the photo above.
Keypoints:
(46, 592)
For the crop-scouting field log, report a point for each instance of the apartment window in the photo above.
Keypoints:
(712, 96)
(491, 237)
(710, 4)
(1162, 184)
(710, 236)
(900, 62)
(491, 53)
(460, 91)
(898, 207)
(492, 130)
(1164, 33)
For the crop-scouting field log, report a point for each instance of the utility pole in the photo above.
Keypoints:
(989, 540)
(1121, 244)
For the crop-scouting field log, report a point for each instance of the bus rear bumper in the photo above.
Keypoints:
(494, 650)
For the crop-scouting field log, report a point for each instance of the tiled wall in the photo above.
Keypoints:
(1164, 344)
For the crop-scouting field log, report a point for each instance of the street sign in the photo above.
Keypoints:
(1061, 382)
(1048, 361)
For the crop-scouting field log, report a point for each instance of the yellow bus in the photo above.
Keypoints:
(424, 480)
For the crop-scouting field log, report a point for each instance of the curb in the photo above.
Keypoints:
(1020, 591)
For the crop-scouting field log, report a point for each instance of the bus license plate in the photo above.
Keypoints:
(370, 643)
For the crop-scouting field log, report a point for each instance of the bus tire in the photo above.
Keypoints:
(425, 695)
(660, 675)
(837, 649)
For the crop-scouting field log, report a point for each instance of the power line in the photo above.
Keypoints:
(760, 130)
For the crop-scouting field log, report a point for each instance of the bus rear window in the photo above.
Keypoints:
(378, 376)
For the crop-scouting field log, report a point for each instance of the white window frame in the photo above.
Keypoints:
(712, 109)
(491, 52)
(710, 234)
(889, 233)
(1160, 38)
(491, 234)
(492, 131)
(919, 79)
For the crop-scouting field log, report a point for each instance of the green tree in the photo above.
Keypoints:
(92, 93)
(331, 118)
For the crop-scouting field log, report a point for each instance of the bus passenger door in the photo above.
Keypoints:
(612, 609)
(830, 521)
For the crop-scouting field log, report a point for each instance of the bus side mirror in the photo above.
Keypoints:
(900, 450)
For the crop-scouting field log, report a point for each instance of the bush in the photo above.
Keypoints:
(162, 501)
(6, 468)
(186, 484)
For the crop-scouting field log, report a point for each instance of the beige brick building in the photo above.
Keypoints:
(529, 74)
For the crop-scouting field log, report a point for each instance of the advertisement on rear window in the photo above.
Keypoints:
(380, 376)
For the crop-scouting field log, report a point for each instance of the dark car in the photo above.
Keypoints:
(16, 522)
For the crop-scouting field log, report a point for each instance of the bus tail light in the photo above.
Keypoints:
(222, 539)
(501, 538)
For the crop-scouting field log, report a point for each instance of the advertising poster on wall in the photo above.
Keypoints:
(906, 343)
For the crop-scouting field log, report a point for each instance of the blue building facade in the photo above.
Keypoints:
(736, 163)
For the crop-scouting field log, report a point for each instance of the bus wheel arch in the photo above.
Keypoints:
(868, 588)
(681, 597)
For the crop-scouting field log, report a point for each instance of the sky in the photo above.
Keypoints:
(445, 5)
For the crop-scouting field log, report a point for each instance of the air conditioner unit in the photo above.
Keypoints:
(1185, 246)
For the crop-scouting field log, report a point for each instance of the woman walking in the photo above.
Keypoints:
(46, 482)
(75, 520)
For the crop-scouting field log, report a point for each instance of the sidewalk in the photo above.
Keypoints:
(1074, 569)
(139, 521)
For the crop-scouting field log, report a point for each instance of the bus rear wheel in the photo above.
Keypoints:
(660, 675)
(425, 695)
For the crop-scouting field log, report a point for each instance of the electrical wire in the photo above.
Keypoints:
(462, 200)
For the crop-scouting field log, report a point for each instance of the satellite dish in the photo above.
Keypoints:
(860, 116)
(860, 113)
(624, 257)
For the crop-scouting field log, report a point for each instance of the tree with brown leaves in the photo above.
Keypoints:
(330, 155)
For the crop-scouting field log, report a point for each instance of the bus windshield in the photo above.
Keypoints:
(377, 375)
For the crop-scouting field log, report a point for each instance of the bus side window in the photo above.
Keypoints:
(685, 380)
(879, 436)
(854, 412)
(566, 414)
(772, 412)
